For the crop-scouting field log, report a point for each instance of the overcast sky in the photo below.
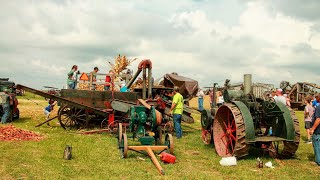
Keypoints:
(206, 40)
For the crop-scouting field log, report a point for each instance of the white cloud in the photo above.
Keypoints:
(194, 39)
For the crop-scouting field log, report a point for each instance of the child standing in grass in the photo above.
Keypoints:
(308, 113)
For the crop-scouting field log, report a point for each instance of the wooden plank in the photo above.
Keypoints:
(158, 114)
(143, 148)
(46, 121)
(269, 139)
(155, 160)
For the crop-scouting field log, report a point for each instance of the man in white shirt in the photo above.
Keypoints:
(200, 96)
(279, 97)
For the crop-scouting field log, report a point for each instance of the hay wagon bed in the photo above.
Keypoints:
(103, 103)
(83, 108)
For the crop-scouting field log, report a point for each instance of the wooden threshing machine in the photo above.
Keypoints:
(81, 108)
(125, 110)
(298, 92)
(244, 121)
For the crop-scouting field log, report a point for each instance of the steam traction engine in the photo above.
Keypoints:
(244, 121)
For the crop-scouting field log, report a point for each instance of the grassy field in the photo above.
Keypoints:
(97, 156)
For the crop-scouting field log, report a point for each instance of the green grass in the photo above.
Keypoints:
(97, 156)
(28, 95)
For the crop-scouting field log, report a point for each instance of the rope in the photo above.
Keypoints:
(33, 102)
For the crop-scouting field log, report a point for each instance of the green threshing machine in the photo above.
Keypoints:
(145, 127)
(244, 121)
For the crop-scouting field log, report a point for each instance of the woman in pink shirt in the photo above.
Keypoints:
(308, 113)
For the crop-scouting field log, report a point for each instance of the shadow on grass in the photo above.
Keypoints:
(21, 120)
(310, 156)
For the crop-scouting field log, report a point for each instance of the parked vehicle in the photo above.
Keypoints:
(5, 84)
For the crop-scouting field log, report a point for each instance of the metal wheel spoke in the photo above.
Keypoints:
(226, 145)
(223, 136)
(65, 112)
(69, 112)
(82, 119)
(232, 137)
(67, 122)
(225, 125)
(232, 146)
(82, 116)
(78, 112)
(65, 117)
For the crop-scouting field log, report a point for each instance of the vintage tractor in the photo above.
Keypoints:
(145, 126)
(244, 121)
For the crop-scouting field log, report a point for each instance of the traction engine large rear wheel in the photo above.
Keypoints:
(229, 132)
(288, 148)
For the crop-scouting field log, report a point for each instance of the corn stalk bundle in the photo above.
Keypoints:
(99, 87)
(83, 86)
(120, 64)
(138, 84)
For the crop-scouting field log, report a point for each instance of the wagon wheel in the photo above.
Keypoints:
(70, 117)
(124, 145)
(169, 142)
(104, 124)
(207, 136)
(229, 132)
(286, 149)
(113, 127)
(119, 133)
(159, 135)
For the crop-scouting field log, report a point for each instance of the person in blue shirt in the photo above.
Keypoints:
(123, 88)
(49, 108)
(315, 103)
(315, 132)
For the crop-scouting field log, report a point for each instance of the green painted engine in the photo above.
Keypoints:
(143, 124)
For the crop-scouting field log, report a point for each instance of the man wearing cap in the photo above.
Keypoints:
(176, 110)
(5, 102)
(279, 97)
(315, 132)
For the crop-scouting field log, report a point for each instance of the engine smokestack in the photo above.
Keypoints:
(247, 84)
